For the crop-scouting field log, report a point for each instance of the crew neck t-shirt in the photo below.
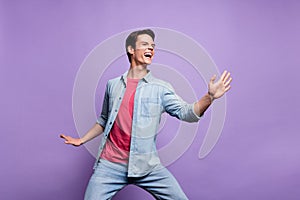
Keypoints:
(117, 146)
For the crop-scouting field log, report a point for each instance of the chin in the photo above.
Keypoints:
(148, 62)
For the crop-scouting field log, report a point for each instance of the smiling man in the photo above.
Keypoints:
(129, 121)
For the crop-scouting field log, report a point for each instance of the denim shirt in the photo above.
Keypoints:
(152, 98)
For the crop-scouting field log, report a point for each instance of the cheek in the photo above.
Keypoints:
(139, 53)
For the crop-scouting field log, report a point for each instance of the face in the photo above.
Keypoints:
(144, 50)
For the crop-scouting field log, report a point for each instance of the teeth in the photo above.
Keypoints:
(148, 54)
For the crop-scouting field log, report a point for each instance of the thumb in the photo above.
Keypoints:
(213, 78)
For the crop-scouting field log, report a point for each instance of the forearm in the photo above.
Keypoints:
(95, 131)
(202, 105)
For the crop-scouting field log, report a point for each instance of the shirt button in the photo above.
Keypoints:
(120, 98)
(116, 110)
(110, 123)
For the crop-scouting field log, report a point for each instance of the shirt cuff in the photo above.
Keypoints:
(101, 122)
(196, 118)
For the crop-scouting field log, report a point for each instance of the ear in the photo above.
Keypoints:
(130, 49)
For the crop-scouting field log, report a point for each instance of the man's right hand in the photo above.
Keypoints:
(72, 141)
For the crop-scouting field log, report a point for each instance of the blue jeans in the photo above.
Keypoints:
(109, 178)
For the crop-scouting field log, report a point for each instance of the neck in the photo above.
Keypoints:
(137, 72)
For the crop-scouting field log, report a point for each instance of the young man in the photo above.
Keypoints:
(131, 112)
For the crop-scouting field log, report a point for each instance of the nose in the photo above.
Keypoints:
(150, 48)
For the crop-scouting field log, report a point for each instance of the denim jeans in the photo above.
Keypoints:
(109, 178)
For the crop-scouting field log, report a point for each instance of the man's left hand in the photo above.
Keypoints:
(218, 89)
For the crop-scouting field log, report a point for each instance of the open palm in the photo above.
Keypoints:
(71, 140)
(219, 88)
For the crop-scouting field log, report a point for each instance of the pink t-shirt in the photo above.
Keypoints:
(117, 146)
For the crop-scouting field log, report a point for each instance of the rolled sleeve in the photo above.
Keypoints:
(102, 119)
(177, 107)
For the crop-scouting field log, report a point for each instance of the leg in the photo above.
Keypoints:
(162, 185)
(105, 182)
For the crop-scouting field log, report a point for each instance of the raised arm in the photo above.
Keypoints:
(95, 131)
(215, 91)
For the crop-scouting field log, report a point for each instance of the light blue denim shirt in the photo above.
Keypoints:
(153, 97)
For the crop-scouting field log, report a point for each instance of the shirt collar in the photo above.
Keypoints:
(146, 78)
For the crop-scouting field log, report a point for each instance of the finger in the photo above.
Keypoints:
(213, 78)
(223, 75)
(62, 136)
(65, 137)
(228, 82)
(67, 142)
(228, 88)
(227, 77)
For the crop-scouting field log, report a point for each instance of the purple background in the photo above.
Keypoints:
(43, 43)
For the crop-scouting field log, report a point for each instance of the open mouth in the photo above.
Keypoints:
(148, 55)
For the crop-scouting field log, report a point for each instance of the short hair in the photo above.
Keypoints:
(132, 37)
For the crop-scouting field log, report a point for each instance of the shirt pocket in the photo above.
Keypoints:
(150, 107)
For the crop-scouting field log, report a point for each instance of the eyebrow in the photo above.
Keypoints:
(153, 44)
